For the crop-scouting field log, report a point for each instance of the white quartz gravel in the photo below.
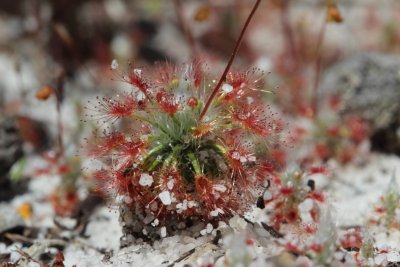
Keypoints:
(351, 194)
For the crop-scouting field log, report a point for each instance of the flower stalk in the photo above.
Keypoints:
(232, 57)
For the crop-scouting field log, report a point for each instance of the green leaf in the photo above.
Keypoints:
(17, 170)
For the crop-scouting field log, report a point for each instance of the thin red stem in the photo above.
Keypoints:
(288, 34)
(233, 55)
(59, 94)
(318, 68)
(60, 129)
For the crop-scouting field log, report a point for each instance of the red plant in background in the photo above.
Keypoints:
(357, 127)
(302, 54)
(286, 193)
(64, 202)
(334, 138)
(352, 239)
(65, 197)
(387, 209)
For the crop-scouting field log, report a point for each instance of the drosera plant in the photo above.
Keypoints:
(368, 251)
(341, 139)
(299, 68)
(64, 198)
(240, 250)
(330, 136)
(388, 210)
(362, 246)
(179, 165)
(304, 53)
(293, 201)
(194, 151)
(56, 161)
(319, 245)
(319, 239)
(323, 246)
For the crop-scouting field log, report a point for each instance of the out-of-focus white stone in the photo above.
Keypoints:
(146, 179)
(114, 64)
(165, 197)
(209, 228)
(163, 232)
(170, 184)
(227, 88)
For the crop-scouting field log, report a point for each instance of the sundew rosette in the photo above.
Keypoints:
(175, 165)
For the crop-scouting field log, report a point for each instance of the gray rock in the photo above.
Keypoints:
(369, 85)
(11, 150)
(10, 146)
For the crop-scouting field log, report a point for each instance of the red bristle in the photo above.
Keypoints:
(110, 109)
(167, 102)
(103, 145)
(253, 119)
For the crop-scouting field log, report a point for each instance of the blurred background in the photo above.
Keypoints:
(79, 38)
(63, 50)
(332, 67)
